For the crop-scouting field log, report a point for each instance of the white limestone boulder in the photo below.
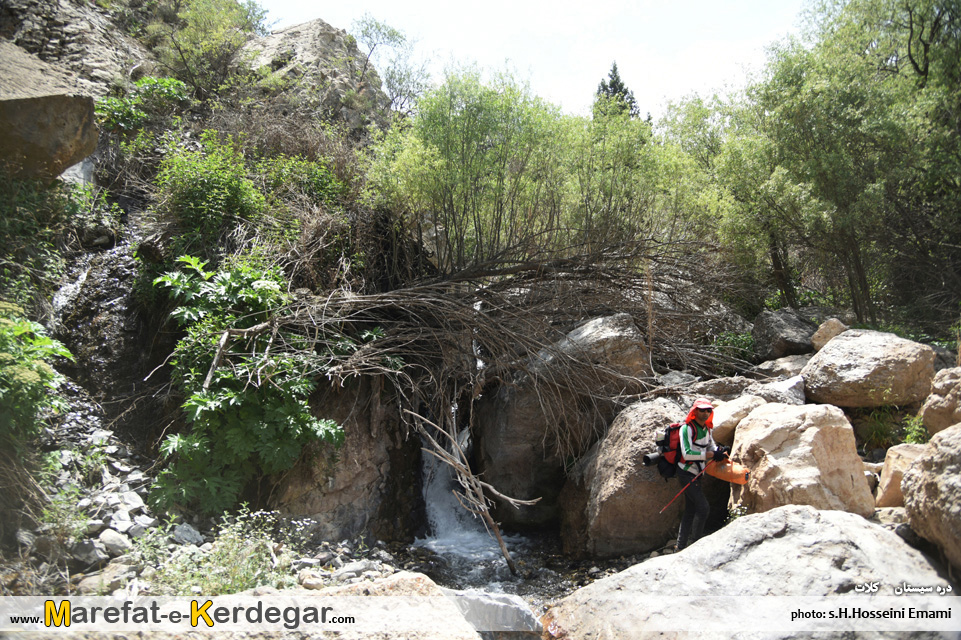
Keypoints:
(942, 408)
(932, 493)
(800, 455)
(727, 415)
(861, 368)
(896, 461)
(788, 551)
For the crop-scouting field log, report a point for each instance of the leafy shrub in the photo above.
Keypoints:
(286, 175)
(246, 394)
(27, 381)
(914, 431)
(205, 190)
(149, 100)
(242, 557)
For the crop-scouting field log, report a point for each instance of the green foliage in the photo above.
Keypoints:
(614, 96)
(737, 345)
(404, 78)
(65, 520)
(250, 550)
(150, 100)
(202, 46)
(207, 192)
(914, 431)
(27, 381)
(34, 216)
(294, 177)
(246, 385)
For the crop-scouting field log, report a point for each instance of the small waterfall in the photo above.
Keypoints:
(459, 536)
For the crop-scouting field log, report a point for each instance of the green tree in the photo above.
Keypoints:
(404, 77)
(203, 45)
(613, 94)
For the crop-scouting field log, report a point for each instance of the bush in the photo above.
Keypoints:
(243, 557)
(246, 393)
(204, 191)
(150, 100)
(27, 381)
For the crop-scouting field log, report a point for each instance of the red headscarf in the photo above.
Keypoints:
(701, 403)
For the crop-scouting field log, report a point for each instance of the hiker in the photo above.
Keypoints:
(697, 447)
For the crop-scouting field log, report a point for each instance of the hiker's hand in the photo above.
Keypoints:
(720, 455)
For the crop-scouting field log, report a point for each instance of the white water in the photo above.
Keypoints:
(455, 532)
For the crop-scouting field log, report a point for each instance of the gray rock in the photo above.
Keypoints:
(131, 501)
(186, 534)
(781, 333)
(88, 552)
(146, 521)
(497, 613)
(788, 551)
(48, 124)
(115, 543)
(120, 521)
(790, 391)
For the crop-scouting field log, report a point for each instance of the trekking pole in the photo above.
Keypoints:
(684, 488)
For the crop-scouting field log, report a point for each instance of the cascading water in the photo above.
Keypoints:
(460, 537)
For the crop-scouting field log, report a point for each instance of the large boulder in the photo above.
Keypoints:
(518, 436)
(613, 505)
(942, 408)
(369, 485)
(896, 461)
(727, 415)
(862, 368)
(47, 125)
(781, 333)
(932, 493)
(789, 551)
(800, 455)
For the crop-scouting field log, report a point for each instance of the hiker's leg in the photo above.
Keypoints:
(700, 507)
(687, 519)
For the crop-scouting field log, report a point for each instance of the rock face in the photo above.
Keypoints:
(515, 431)
(47, 124)
(861, 368)
(371, 484)
(800, 455)
(896, 462)
(789, 551)
(612, 507)
(77, 37)
(943, 407)
(932, 493)
(781, 333)
(328, 64)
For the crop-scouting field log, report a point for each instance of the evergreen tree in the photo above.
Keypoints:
(612, 90)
